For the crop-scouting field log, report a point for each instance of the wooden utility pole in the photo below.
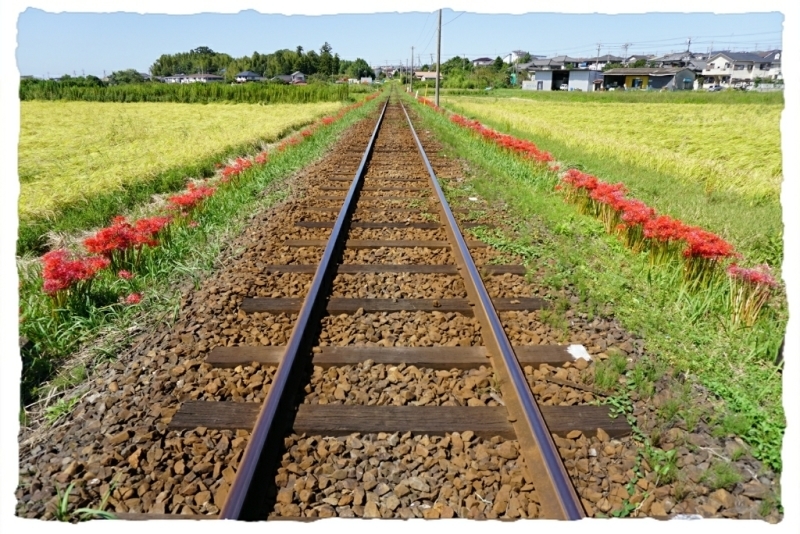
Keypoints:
(438, 57)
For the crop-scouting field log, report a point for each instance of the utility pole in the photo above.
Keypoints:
(438, 57)
(597, 61)
(689, 46)
(411, 79)
(625, 48)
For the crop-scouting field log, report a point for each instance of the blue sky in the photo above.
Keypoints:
(53, 44)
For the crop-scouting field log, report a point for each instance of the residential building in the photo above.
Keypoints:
(730, 68)
(193, 78)
(248, 76)
(774, 59)
(423, 75)
(482, 62)
(667, 78)
(565, 79)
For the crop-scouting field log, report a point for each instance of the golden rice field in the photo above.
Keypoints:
(72, 150)
(725, 147)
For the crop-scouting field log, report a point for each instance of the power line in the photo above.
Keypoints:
(454, 18)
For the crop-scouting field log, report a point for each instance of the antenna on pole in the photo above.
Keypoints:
(438, 57)
(597, 62)
(625, 47)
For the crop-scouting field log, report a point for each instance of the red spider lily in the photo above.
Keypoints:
(191, 198)
(760, 275)
(236, 168)
(64, 276)
(522, 147)
(750, 290)
(327, 120)
(703, 244)
(262, 158)
(193, 224)
(133, 298)
(307, 133)
(125, 275)
(121, 242)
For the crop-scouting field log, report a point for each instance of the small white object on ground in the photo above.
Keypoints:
(579, 352)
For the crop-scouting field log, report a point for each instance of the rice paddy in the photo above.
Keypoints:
(733, 147)
(70, 151)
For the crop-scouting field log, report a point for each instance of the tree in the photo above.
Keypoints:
(498, 64)
(610, 66)
(203, 51)
(524, 58)
(122, 77)
(325, 60)
(360, 69)
(639, 63)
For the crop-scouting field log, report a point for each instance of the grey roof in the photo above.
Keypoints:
(770, 56)
(482, 59)
(248, 73)
(698, 64)
(295, 73)
(644, 71)
(742, 56)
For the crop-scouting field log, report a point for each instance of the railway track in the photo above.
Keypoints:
(394, 384)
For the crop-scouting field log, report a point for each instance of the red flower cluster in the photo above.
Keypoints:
(760, 275)
(191, 198)
(125, 275)
(61, 272)
(327, 120)
(235, 168)
(430, 104)
(262, 158)
(133, 298)
(122, 235)
(520, 146)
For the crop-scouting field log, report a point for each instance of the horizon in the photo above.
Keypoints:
(101, 43)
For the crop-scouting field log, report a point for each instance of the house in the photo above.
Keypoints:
(728, 68)
(367, 80)
(248, 76)
(575, 79)
(515, 56)
(193, 78)
(774, 59)
(202, 78)
(636, 57)
(294, 78)
(670, 78)
(423, 75)
(482, 62)
(597, 63)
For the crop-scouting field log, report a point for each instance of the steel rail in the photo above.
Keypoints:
(559, 499)
(246, 496)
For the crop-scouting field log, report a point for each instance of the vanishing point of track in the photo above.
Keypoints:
(372, 191)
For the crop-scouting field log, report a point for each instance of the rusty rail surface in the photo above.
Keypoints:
(246, 497)
(559, 499)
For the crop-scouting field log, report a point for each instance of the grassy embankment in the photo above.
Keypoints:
(690, 332)
(717, 166)
(81, 163)
(187, 253)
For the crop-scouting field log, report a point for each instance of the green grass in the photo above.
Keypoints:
(683, 330)
(187, 253)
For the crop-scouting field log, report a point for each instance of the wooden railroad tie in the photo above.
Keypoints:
(442, 358)
(379, 243)
(378, 210)
(338, 306)
(348, 268)
(372, 199)
(344, 419)
(332, 188)
(422, 225)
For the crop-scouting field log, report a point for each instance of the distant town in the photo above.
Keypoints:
(712, 71)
